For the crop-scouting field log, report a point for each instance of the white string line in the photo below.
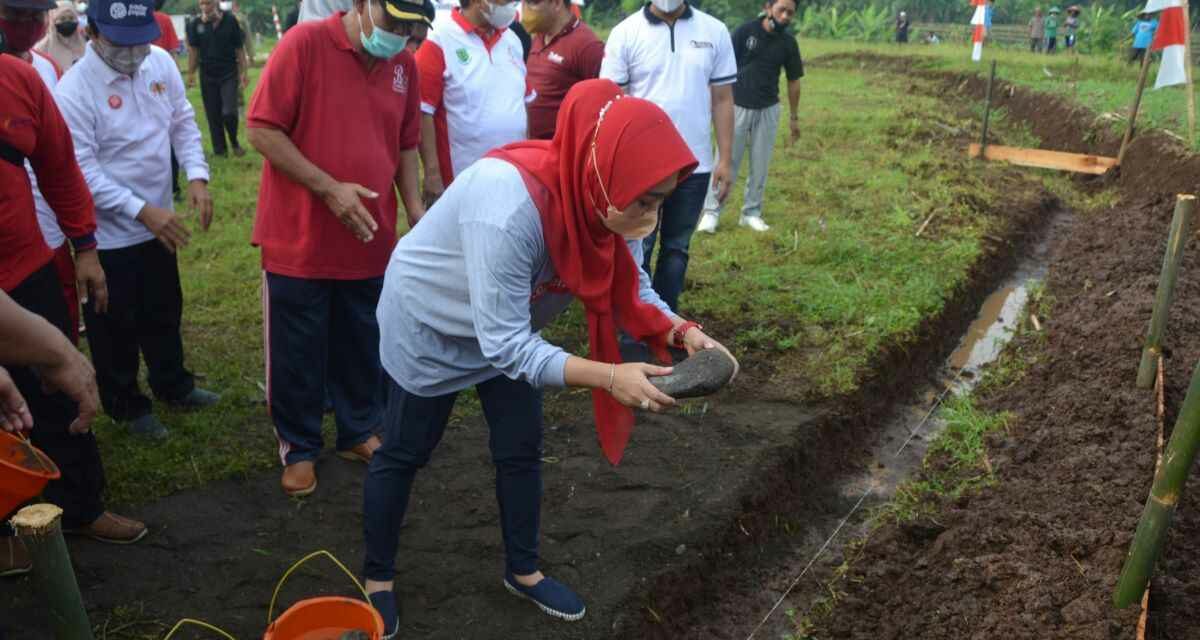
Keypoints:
(811, 562)
(936, 404)
(915, 431)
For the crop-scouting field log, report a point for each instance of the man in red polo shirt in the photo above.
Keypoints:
(337, 117)
(564, 52)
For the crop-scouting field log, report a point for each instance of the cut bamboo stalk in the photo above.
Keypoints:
(1133, 111)
(1169, 479)
(53, 576)
(1181, 223)
(1160, 385)
(987, 110)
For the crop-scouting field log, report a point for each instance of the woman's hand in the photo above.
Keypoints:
(631, 386)
(696, 340)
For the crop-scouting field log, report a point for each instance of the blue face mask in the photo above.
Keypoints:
(382, 44)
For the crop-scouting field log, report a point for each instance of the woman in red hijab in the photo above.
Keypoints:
(517, 236)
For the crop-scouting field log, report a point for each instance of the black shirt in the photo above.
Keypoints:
(217, 45)
(760, 55)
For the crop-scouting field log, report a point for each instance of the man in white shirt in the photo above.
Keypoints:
(474, 89)
(127, 108)
(681, 59)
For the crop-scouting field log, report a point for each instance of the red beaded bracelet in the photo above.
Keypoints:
(680, 331)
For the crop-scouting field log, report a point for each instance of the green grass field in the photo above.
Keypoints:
(1104, 83)
(840, 275)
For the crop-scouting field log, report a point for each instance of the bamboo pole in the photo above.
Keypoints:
(1164, 496)
(53, 576)
(1181, 224)
(1191, 90)
(1137, 102)
(987, 110)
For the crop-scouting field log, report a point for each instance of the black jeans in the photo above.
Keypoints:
(331, 322)
(414, 426)
(80, 489)
(220, 97)
(145, 310)
(680, 213)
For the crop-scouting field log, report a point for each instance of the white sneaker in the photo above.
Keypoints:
(754, 222)
(708, 223)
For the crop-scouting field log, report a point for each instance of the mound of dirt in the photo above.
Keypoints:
(1037, 554)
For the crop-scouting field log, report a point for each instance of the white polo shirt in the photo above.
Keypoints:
(674, 67)
(47, 220)
(475, 89)
(124, 128)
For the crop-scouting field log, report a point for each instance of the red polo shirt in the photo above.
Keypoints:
(31, 126)
(350, 122)
(169, 40)
(571, 56)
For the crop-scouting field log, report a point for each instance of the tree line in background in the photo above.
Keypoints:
(1104, 26)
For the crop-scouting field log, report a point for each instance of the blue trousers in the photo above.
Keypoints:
(681, 212)
(322, 338)
(413, 428)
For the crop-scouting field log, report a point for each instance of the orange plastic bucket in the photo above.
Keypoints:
(24, 471)
(326, 618)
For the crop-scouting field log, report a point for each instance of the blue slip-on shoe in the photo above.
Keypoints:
(385, 603)
(551, 596)
(197, 398)
(149, 427)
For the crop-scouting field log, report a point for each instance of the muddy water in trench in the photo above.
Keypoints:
(900, 446)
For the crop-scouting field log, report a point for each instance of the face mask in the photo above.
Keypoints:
(126, 60)
(534, 20)
(382, 44)
(21, 35)
(225, 6)
(500, 15)
(66, 29)
(779, 27)
(667, 6)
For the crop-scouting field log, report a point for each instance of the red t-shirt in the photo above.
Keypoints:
(169, 40)
(351, 123)
(572, 56)
(31, 124)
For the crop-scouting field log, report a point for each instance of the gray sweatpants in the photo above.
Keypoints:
(754, 128)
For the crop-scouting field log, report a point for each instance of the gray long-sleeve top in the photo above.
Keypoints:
(467, 291)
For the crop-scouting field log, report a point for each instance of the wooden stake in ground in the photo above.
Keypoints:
(1181, 224)
(1187, 66)
(1133, 111)
(1164, 496)
(987, 110)
(38, 526)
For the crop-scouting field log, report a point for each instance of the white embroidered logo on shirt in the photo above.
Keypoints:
(400, 81)
(118, 10)
(555, 58)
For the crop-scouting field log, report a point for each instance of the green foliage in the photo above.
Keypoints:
(870, 24)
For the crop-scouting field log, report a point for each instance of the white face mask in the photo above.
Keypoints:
(667, 6)
(225, 6)
(502, 15)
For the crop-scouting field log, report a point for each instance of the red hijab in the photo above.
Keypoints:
(635, 146)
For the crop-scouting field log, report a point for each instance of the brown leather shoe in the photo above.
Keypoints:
(299, 479)
(14, 558)
(112, 528)
(363, 452)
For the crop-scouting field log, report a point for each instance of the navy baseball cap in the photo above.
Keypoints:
(125, 22)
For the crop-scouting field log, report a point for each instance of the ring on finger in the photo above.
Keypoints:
(646, 403)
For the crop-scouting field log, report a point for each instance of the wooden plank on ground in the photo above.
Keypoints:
(1077, 162)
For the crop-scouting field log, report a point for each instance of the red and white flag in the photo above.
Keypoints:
(1170, 39)
(979, 19)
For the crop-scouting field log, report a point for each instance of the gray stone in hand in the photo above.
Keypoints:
(700, 375)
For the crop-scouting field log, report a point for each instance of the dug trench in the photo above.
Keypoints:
(675, 542)
(1036, 553)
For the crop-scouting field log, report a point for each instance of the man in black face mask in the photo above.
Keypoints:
(762, 47)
